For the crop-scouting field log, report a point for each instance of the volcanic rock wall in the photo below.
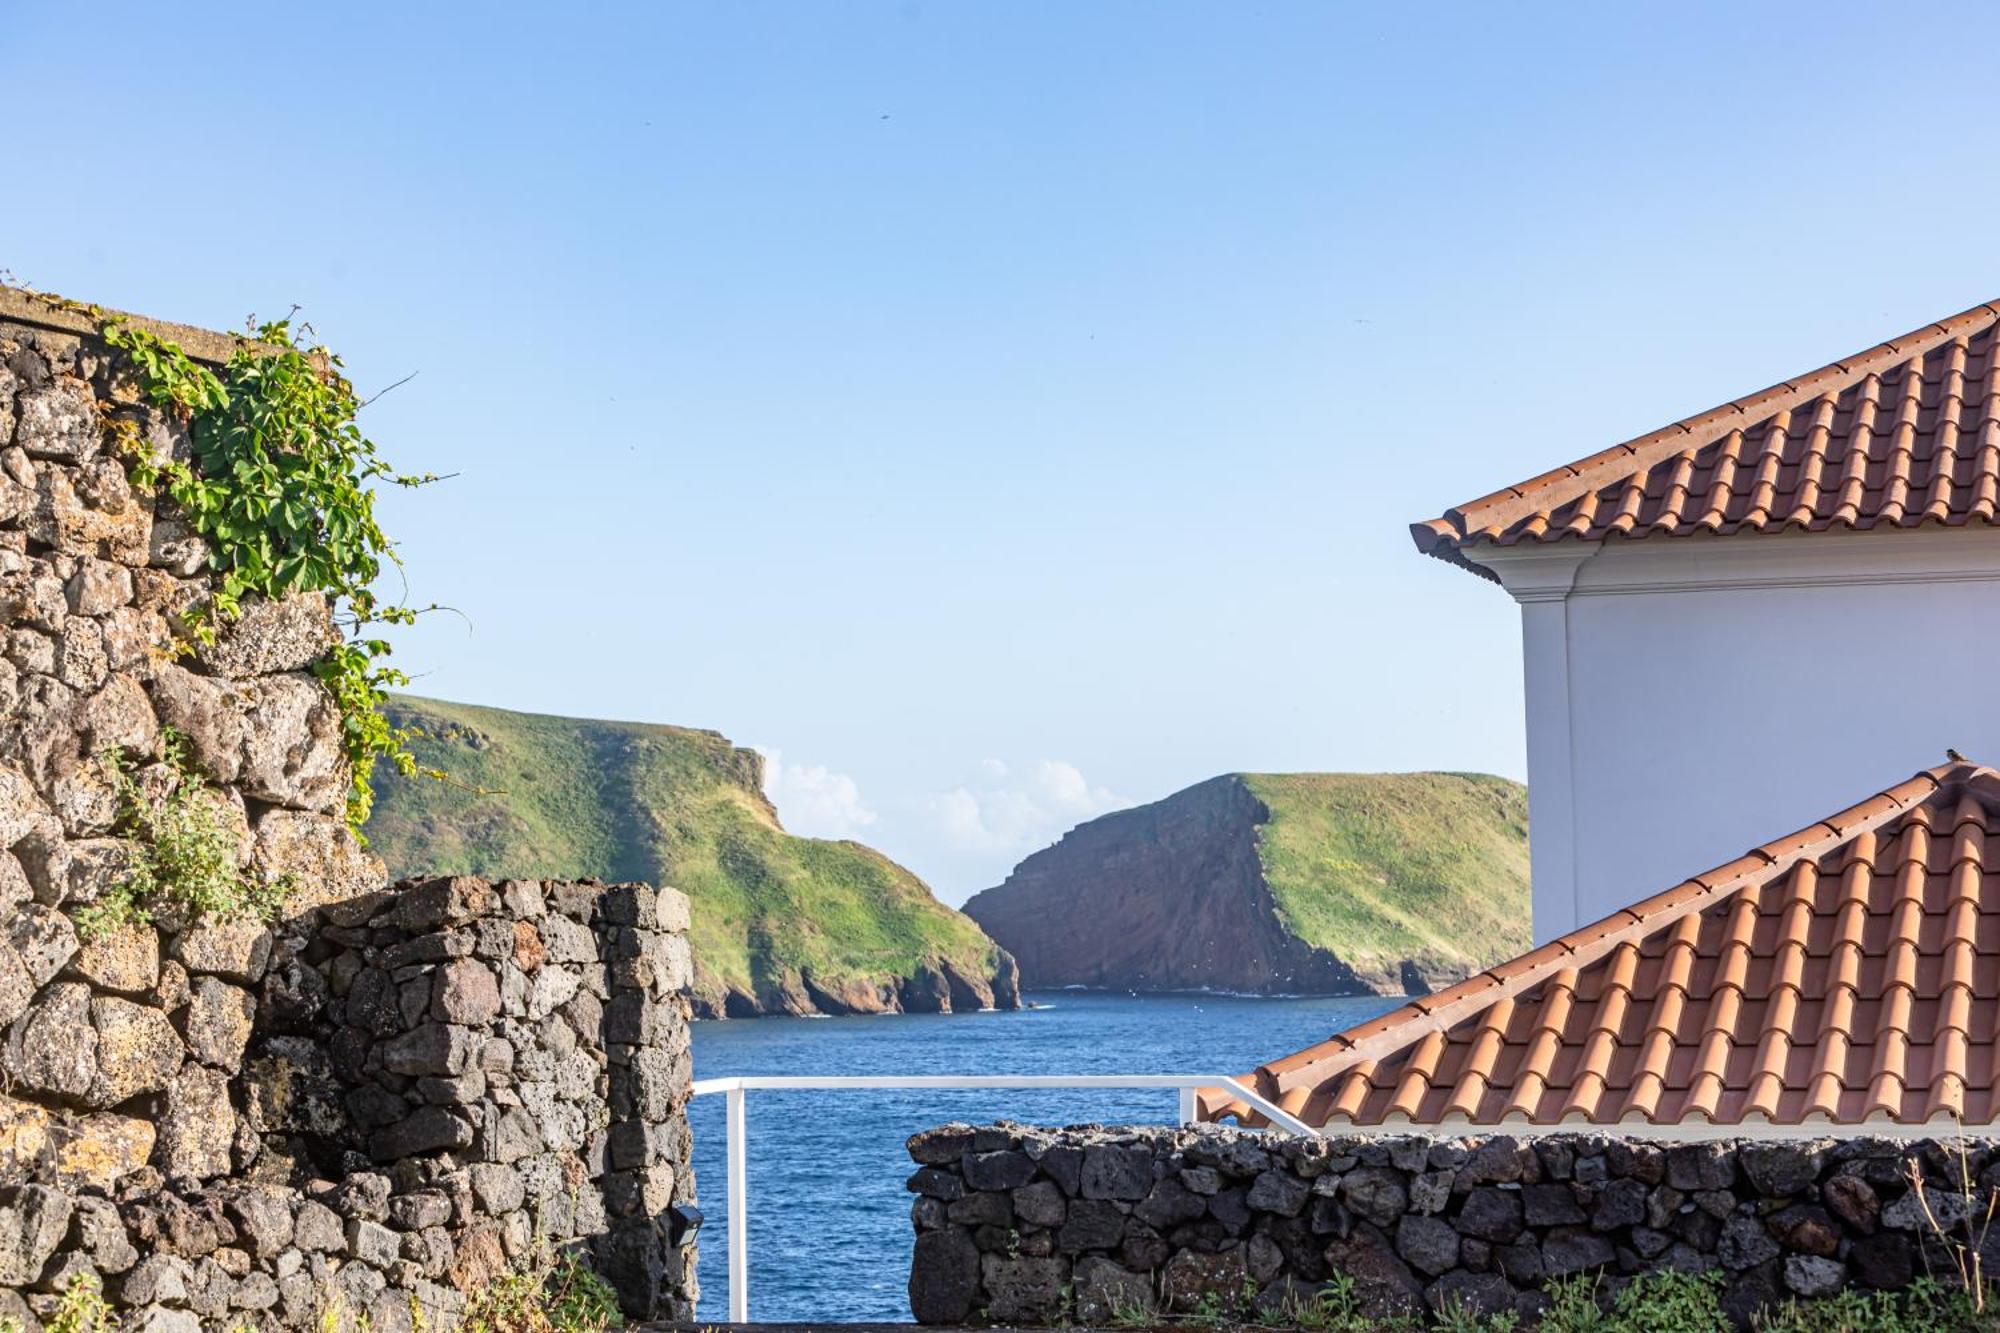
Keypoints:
(425, 1088)
(383, 1096)
(1088, 1225)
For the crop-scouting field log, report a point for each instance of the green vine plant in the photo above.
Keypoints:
(282, 487)
(184, 856)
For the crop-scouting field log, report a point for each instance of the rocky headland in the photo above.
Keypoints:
(1317, 884)
(782, 924)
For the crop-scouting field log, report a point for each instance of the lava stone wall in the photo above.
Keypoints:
(119, 1050)
(439, 1083)
(1035, 1226)
(386, 1096)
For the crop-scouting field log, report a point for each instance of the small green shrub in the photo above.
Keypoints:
(1129, 1314)
(82, 1309)
(1661, 1302)
(185, 851)
(1926, 1307)
(558, 1294)
(1210, 1309)
(1333, 1308)
(1845, 1312)
(1458, 1317)
(1673, 1302)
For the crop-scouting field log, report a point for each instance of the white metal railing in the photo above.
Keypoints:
(733, 1089)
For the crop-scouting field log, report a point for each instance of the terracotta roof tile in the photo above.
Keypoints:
(1846, 972)
(1903, 435)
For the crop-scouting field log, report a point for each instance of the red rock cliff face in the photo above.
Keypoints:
(1169, 896)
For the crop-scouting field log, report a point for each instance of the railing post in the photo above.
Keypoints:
(734, 1088)
(739, 1212)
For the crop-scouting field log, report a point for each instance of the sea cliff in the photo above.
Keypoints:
(1316, 883)
(782, 924)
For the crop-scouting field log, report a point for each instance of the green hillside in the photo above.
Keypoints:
(1299, 883)
(1382, 866)
(781, 923)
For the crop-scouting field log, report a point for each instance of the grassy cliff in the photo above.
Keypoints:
(1309, 883)
(1382, 866)
(781, 923)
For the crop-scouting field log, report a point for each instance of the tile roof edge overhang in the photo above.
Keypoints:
(1438, 1013)
(1451, 536)
(62, 315)
(1682, 1131)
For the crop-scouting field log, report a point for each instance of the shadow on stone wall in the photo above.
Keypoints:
(1034, 1226)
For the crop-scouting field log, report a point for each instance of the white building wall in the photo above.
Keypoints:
(1691, 698)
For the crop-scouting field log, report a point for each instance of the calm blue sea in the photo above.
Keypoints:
(829, 1219)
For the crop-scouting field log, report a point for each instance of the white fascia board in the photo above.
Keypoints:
(1538, 573)
(1700, 562)
(1794, 560)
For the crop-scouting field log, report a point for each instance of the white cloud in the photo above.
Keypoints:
(1018, 811)
(813, 800)
(958, 840)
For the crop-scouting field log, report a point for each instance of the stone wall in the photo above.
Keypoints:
(1035, 1226)
(430, 1086)
(379, 1096)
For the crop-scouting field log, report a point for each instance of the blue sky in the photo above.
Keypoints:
(1005, 411)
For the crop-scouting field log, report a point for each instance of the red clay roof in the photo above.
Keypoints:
(1899, 436)
(1846, 973)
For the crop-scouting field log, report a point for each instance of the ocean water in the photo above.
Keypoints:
(829, 1217)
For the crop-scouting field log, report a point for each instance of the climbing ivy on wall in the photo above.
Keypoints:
(282, 486)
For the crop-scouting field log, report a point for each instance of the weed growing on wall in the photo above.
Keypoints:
(1663, 1301)
(1962, 1242)
(184, 855)
(281, 485)
(557, 1294)
(82, 1309)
